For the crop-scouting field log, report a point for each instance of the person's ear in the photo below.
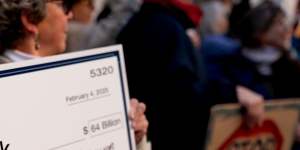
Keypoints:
(28, 25)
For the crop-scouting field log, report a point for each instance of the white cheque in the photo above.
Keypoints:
(76, 101)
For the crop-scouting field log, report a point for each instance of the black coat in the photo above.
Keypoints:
(284, 82)
(164, 71)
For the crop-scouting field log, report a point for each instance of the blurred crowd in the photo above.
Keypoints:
(182, 56)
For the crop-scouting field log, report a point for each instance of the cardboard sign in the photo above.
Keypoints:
(228, 130)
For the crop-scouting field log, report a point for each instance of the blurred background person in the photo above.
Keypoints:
(214, 19)
(216, 44)
(263, 64)
(165, 70)
(91, 30)
(82, 10)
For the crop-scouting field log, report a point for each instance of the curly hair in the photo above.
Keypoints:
(11, 27)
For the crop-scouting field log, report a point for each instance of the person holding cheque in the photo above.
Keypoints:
(37, 28)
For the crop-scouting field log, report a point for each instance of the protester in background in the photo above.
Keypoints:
(216, 44)
(165, 70)
(82, 10)
(215, 21)
(102, 32)
(263, 64)
(31, 29)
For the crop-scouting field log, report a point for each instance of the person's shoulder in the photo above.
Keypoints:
(153, 23)
(157, 17)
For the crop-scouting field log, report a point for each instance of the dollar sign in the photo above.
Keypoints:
(85, 130)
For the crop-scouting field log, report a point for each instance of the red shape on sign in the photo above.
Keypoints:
(266, 136)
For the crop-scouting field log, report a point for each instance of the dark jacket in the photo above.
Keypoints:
(215, 48)
(283, 83)
(164, 71)
(238, 70)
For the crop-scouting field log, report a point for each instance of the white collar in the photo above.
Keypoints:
(15, 55)
(263, 58)
(266, 55)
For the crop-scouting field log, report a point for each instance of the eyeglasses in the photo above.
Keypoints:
(60, 4)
